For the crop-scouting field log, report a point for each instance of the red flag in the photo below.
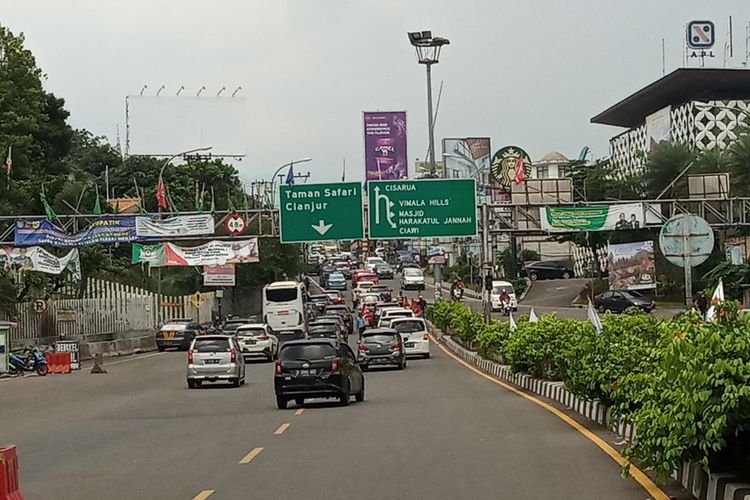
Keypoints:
(161, 194)
(9, 162)
(520, 171)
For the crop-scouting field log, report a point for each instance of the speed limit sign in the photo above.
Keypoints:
(39, 306)
(235, 224)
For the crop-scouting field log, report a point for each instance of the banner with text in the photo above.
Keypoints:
(632, 266)
(181, 225)
(211, 253)
(39, 259)
(29, 232)
(385, 146)
(219, 275)
(593, 218)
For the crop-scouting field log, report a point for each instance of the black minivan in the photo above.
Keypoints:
(317, 368)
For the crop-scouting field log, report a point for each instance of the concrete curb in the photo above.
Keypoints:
(701, 485)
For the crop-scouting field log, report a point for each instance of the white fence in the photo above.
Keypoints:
(107, 308)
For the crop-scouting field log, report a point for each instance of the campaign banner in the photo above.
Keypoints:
(211, 253)
(385, 146)
(29, 232)
(594, 218)
(39, 259)
(219, 275)
(632, 266)
(181, 225)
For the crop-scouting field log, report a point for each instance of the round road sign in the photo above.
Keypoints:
(686, 239)
(39, 306)
(235, 224)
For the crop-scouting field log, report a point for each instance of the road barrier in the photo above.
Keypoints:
(58, 362)
(10, 487)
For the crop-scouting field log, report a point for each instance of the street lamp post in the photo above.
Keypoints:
(168, 160)
(428, 53)
(273, 178)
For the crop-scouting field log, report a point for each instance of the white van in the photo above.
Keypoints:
(284, 306)
(497, 289)
(415, 335)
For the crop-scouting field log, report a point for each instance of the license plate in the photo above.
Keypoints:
(213, 361)
(410, 344)
(251, 342)
(307, 373)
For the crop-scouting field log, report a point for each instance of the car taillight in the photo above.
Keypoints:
(335, 365)
(263, 337)
(362, 347)
(233, 353)
(396, 346)
(425, 337)
(190, 356)
(278, 367)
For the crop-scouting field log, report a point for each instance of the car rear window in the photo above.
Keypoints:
(411, 271)
(378, 338)
(281, 294)
(250, 332)
(408, 326)
(307, 351)
(499, 289)
(211, 345)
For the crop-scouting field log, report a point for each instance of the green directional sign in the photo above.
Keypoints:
(321, 212)
(422, 208)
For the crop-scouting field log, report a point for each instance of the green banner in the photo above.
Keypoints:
(148, 254)
(593, 218)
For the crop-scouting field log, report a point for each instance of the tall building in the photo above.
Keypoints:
(700, 107)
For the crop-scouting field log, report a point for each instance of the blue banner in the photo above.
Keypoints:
(29, 232)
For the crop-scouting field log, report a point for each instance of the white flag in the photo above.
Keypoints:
(533, 317)
(717, 297)
(594, 317)
(512, 322)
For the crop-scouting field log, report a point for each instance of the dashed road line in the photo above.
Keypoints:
(204, 494)
(636, 473)
(299, 411)
(281, 429)
(250, 456)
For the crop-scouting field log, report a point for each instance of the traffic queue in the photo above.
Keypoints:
(320, 344)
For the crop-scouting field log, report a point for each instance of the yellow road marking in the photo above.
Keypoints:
(281, 429)
(300, 411)
(250, 456)
(642, 479)
(203, 495)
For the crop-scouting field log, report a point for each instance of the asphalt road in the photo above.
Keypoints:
(435, 430)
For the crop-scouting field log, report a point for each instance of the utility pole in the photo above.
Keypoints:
(486, 262)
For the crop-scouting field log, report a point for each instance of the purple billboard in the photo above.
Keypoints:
(385, 146)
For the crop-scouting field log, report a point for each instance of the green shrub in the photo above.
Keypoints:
(539, 348)
(493, 337)
(519, 286)
(697, 396)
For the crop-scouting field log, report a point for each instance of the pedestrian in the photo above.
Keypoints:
(701, 303)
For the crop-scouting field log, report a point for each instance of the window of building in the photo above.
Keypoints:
(542, 171)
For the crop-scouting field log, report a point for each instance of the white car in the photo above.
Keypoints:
(415, 335)
(411, 277)
(392, 313)
(372, 262)
(497, 289)
(257, 339)
(362, 287)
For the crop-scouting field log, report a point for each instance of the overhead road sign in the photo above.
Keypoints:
(321, 212)
(425, 208)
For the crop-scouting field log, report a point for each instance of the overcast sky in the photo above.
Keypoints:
(525, 72)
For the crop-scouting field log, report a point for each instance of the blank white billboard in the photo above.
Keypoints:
(167, 125)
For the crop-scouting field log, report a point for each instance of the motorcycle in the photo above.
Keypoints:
(505, 308)
(457, 293)
(34, 362)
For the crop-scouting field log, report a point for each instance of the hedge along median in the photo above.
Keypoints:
(685, 385)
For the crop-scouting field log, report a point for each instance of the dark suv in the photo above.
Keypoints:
(381, 346)
(547, 270)
(319, 368)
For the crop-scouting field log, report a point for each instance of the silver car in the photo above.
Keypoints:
(212, 358)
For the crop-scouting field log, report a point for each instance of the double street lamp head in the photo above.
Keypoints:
(427, 47)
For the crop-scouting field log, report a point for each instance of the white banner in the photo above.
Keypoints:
(212, 253)
(39, 259)
(219, 275)
(181, 225)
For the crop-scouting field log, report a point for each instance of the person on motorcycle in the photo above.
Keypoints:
(504, 299)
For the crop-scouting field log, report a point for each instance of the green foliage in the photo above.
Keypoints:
(519, 285)
(493, 337)
(506, 260)
(732, 275)
(698, 395)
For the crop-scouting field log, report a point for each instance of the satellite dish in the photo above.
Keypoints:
(686, 239)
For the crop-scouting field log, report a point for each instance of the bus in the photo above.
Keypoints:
(284, 306)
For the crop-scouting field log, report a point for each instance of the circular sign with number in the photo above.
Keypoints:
(235, 224)
(39, 306)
